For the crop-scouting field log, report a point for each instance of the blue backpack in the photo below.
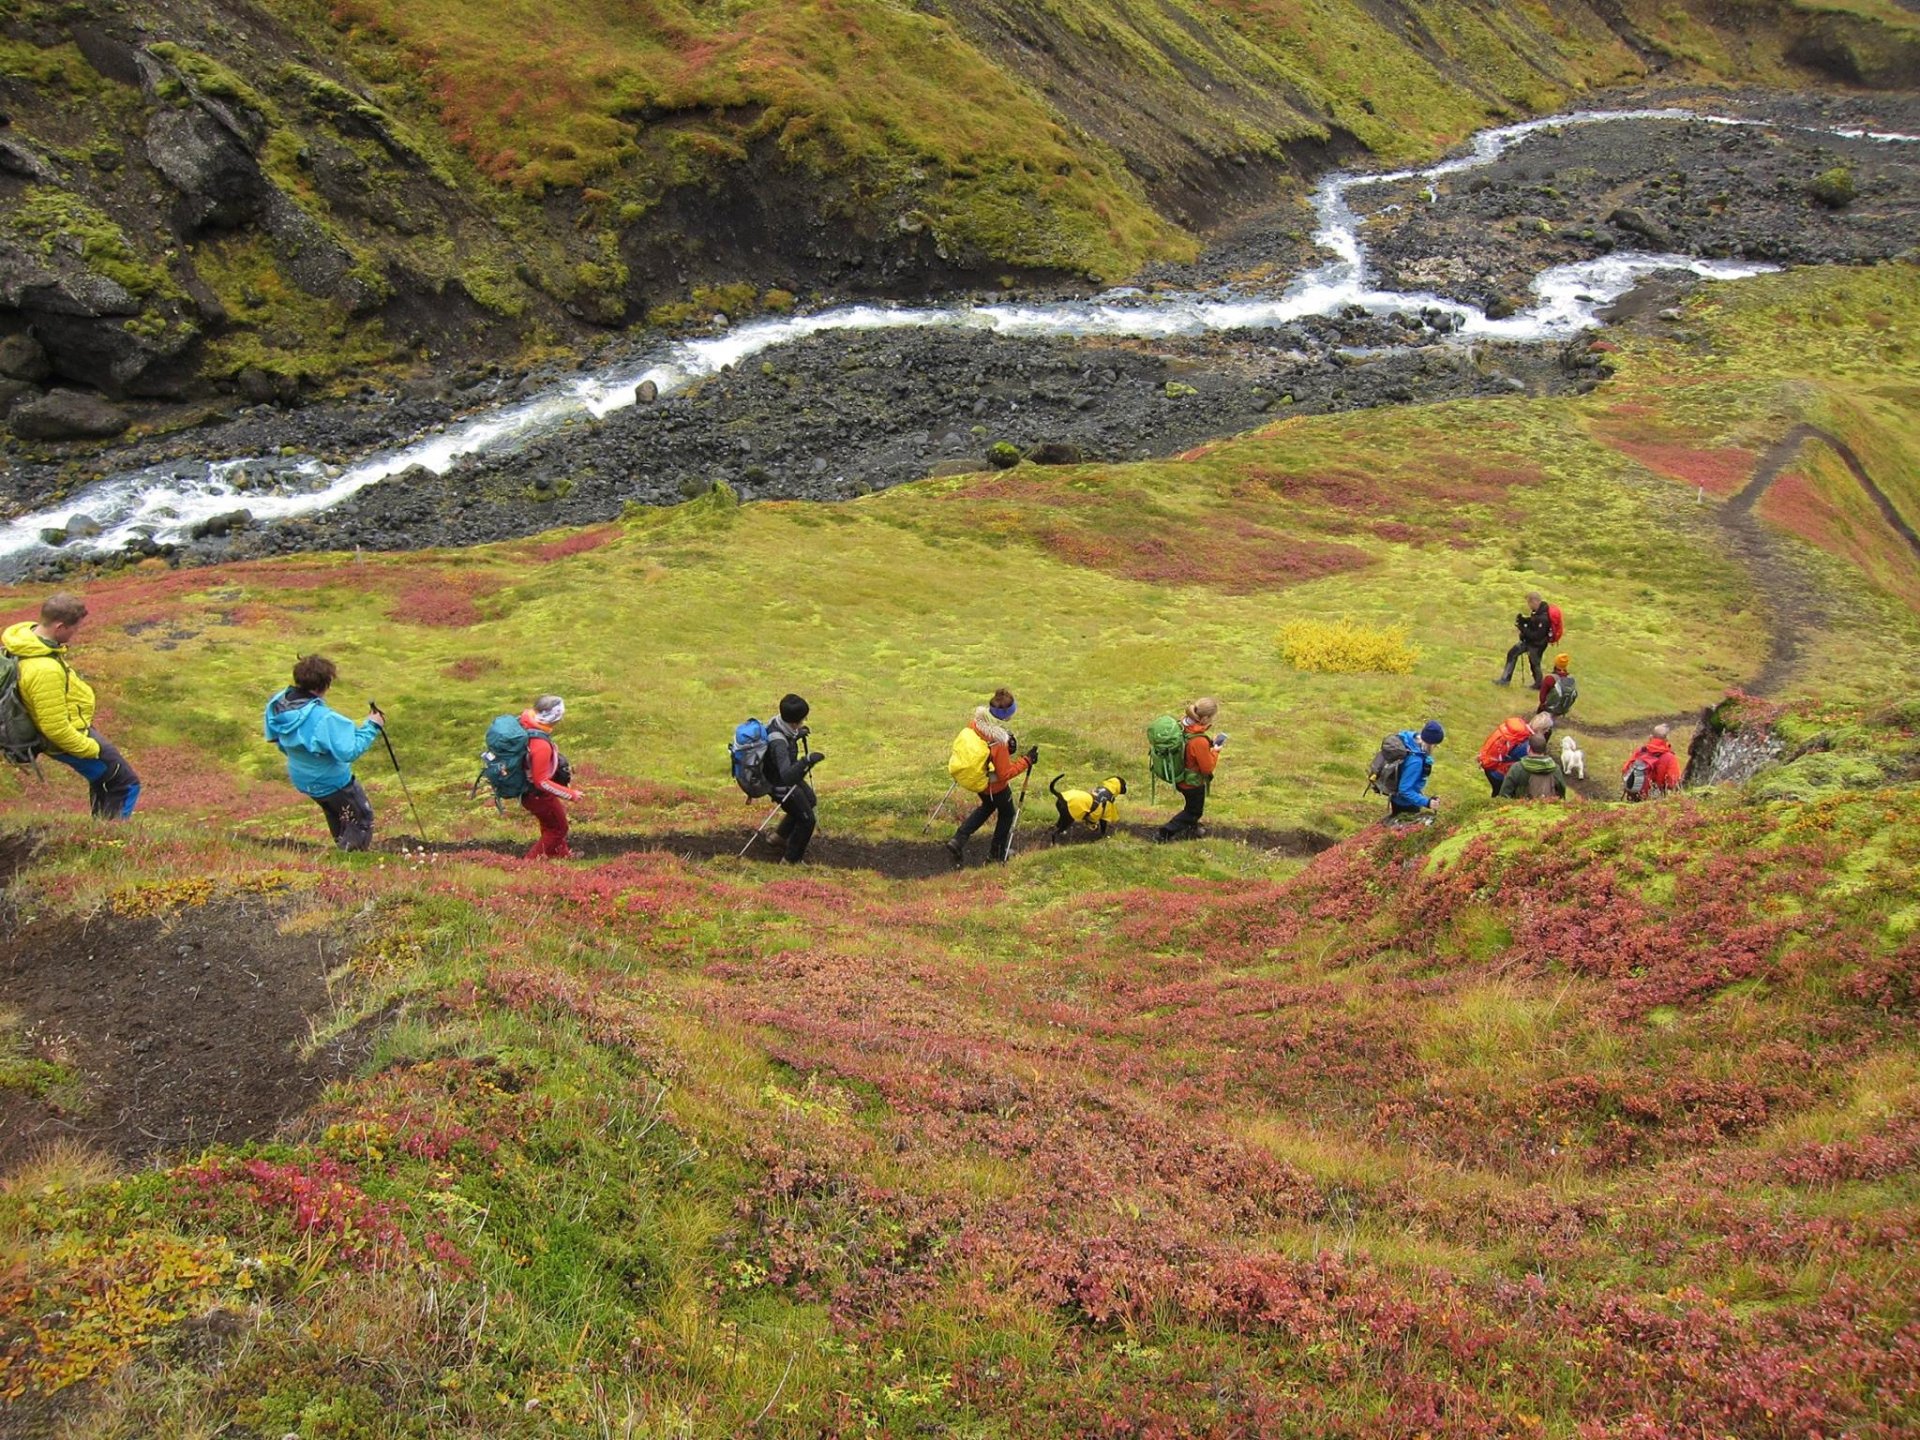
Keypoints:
(503, 764)
(749, 753)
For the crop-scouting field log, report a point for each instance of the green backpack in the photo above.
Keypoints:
(20, 738)
(1167, 753)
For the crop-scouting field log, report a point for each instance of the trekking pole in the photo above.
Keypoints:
(939, 805)
(375, 705)
(1018, 806)
(762, 830)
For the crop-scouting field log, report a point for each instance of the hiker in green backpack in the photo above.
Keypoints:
(1189, 768)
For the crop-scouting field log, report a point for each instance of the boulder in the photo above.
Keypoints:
(81, 525)
(67, 415)
(1635, 221)
(22, 358)
(216, 527)
(19, 159)
(220, 185)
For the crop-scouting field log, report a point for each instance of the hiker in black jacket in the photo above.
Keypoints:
(1535, 625)
(786, 767)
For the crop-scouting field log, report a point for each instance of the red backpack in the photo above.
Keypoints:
(1500, 744)
(1553, 618)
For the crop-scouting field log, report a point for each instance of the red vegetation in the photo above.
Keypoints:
(1719, 470)
(578, 544)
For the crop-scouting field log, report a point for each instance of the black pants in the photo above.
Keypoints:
(1534, 654)
(1495, 779)
(796, 826)
(1187, 823)
(1000, 806)
(349, 816)
(112, 787)
(1401, 812)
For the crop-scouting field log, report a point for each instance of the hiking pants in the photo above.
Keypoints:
(112, 787)
(1001, 807)
(1534, 653)
(1495, 779)
(552, 815)
(1186, 824)
(349, 816)
(796, 826)
(1404, 812)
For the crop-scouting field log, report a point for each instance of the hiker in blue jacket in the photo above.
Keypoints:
(1409, 796)
(321, 745)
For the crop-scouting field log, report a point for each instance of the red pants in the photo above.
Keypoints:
(552, 815)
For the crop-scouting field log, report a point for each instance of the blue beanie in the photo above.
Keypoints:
(1432, 733)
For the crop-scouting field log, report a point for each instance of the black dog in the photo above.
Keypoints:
(1095, 808)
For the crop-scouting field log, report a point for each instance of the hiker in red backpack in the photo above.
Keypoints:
(1538, 626)
(1651, 770)
(547, 777)
(1503, 747)
(1003, 768)
(1202, 758)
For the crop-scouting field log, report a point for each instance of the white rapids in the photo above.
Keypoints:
(166, 502)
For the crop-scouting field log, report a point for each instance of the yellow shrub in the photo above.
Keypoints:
(1346, 647)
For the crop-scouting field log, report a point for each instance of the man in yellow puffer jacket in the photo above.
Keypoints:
(60, 704)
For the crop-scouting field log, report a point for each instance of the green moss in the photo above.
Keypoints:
(209, 77)
(52, 71)
(60, 220)
(1833, 188)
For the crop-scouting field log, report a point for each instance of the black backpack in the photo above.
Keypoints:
(1383, 771)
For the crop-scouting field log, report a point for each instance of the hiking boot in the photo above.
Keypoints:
(958, 852)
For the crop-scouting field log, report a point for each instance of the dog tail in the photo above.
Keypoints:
(1054, 785)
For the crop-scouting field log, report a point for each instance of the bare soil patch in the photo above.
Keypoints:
(184, 1029)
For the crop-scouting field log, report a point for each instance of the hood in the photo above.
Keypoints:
(1657, 746)
(288, 711)
(991, 733)
(532, 722)
(1114, 785)
(1538, 765)
(22, 641)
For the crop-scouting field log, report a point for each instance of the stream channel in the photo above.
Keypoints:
(157, 508)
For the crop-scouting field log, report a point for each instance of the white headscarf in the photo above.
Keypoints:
(549, 709)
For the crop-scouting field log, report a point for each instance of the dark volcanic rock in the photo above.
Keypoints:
(220, 184)
(67, 415)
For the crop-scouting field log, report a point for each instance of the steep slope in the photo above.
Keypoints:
(262, 195)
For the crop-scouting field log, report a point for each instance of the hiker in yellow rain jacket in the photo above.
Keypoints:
(60, 704)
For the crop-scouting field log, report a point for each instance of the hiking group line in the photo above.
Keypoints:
(47, 709)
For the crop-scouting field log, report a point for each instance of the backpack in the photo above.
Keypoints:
(1167, 753)
(1542, 784)
(20, 738)
(1560, 696)
(503, 764)
(1554, 620)
(968, 762)
(1637, 784)
(1383, 771)
(749, 754)
(1500, 744)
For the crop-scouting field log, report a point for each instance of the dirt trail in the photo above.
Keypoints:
(1789, 601)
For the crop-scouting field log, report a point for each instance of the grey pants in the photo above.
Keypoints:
(349, 816)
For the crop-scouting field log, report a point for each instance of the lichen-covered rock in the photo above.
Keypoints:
(220, 184)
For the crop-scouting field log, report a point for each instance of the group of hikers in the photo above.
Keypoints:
(47, 709)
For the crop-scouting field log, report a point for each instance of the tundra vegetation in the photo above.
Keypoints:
(1585, 1121)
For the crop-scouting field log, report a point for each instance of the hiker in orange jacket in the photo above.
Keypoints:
(1659, 768)
(1003, 768)
(547, 777)
(1202, 758)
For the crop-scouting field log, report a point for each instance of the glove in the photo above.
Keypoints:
(1033, 756)
(815, 758)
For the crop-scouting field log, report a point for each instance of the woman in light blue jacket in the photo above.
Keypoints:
(321, 745)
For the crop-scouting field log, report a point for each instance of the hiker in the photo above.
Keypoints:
(786, 767)
(548, 778)
(1539, 626)
(1651, 770)
(1535, 776)
(1192, 771)
(1409, 792)
(984, 762)
(1559, 689)
(321, 745)
(1506, 745)
(60, 704)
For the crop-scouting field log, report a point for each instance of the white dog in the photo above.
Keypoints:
(1573, 762)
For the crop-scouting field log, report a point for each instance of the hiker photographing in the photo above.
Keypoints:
(60, 705)
(983, 762)
(787, 764)
(321, 745)
(1539, 626)
(1188, 763)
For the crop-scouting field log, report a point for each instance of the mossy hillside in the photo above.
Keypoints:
(688, 1137)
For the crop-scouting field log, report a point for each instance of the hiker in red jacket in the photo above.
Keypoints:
(547, 777)
(1003, 768)
(1651, 770)
(1202, 758)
